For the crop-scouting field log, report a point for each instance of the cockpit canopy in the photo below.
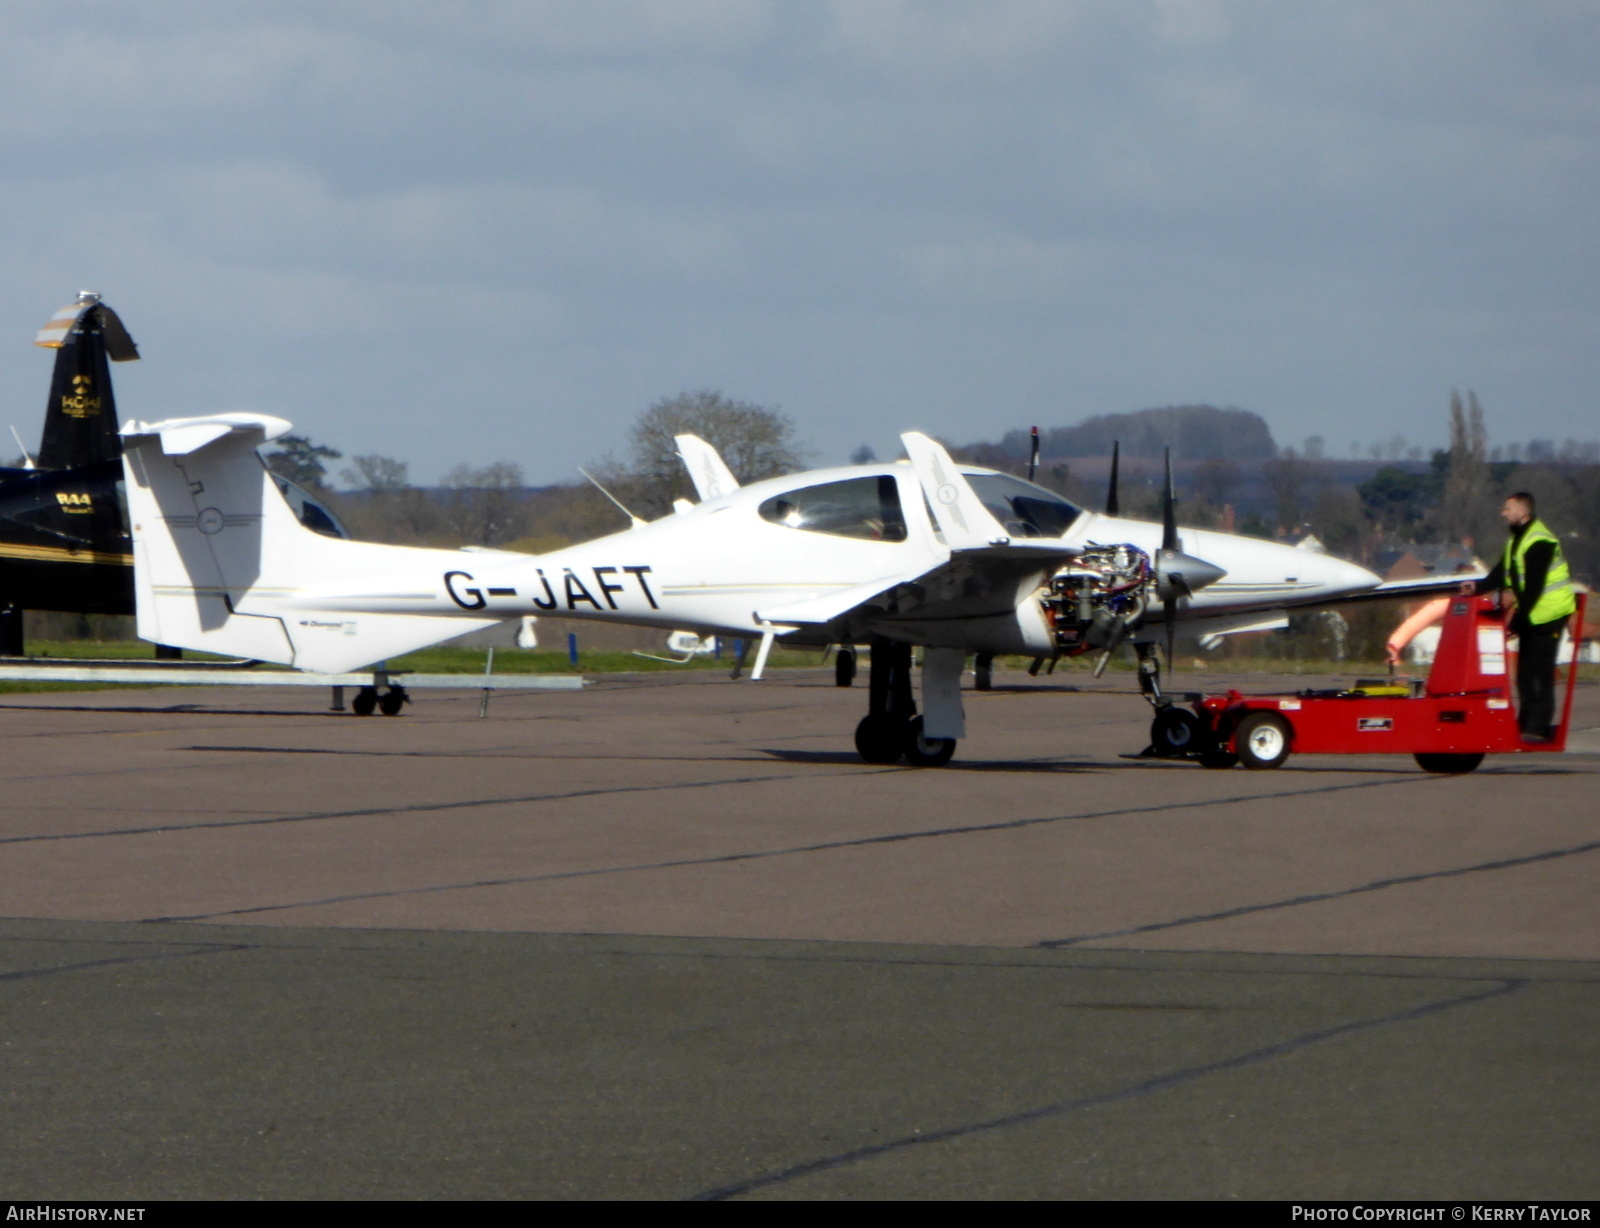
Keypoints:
(1025, 510)
(866, 508)
(869, 508)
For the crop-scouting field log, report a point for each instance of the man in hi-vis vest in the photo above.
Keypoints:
(1532, 568)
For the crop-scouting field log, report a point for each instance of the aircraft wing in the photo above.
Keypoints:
(977, 583)
(1422, 586)
(833, 607)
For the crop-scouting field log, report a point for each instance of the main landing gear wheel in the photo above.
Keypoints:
(1447, 764)
(366, 701)
(1174, 732)
(926, 752)
(844, 667)
(392, 701)
(881, 739)
(1263, 740)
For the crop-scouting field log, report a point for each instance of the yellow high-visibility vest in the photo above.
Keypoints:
(1557, 601)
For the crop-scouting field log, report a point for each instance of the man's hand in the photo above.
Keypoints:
(1468, 588)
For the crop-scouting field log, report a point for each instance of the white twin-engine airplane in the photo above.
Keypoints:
(952, 558)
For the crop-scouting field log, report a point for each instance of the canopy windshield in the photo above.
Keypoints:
(1024, 509)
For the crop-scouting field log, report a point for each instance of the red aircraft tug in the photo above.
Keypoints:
(1449, 723)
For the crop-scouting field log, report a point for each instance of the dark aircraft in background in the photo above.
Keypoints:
(64, 541)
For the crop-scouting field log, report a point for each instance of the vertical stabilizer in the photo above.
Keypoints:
(80, 421)
(222, 564)
(197, 533)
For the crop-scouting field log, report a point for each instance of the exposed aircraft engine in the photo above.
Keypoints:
(1100, 596)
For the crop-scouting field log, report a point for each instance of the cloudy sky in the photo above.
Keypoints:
(471, 231)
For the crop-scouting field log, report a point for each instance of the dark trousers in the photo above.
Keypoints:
(1536, 678)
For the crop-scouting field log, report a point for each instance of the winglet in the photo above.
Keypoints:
(711, 476)
(966, 523)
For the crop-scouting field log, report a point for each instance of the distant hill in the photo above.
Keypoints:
(1193, 432)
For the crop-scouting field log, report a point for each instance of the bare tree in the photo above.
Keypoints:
(755, 441)
(1215, 482)
(1286, 478)
(1466, 511)
(386, 507)
(485, 505)
(380, 474)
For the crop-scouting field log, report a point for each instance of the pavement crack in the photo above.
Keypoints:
(1160, 1083)
(965, 829)
(1316, 897)
(378, 811)
(28, 974)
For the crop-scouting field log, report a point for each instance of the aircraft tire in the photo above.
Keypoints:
(844, 667)
(881, 739)
(926, 752)
(1175, 732)
(1447, 764)
(1263, 740)
(392, 701)
(365, 702)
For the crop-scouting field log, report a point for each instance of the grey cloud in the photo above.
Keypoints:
(376, 218)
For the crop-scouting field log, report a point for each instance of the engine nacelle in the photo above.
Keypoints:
(1096, 599)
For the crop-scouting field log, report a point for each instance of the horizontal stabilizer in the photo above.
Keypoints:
(120, 346)
(180, 436)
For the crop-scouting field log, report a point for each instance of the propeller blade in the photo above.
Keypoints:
(1169, 512)
(1033, 455)
(1111, 492)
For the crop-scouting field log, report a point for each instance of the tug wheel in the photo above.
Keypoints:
(1263, 740)
(1174, 732)
(1447, 764)
(365, 702)
(926, 752)
(881, 739)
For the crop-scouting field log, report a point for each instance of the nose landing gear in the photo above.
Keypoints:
(1175, 732)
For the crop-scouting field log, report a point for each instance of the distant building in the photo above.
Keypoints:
(1414, 562)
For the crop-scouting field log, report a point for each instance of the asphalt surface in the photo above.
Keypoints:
(668, 938)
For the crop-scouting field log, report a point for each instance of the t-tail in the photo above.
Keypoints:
(80, 420)
(222, 564)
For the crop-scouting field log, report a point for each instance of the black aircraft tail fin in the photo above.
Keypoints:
(80, 421)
